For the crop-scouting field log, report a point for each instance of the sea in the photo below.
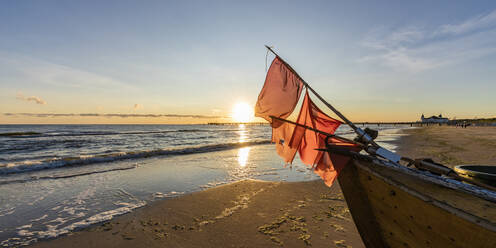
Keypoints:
(55, 179)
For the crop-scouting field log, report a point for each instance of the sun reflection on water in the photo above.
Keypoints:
(243, 133)
(243, 156)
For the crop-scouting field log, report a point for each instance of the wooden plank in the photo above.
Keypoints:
(405, 220)
(458, 199)
(360, 208)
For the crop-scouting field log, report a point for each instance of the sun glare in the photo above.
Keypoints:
(243, 156)
(242, 112)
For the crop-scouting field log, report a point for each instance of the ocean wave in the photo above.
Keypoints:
(30, 134)
(13, 134)
(25, 166)
(33, 178)
(40, 145)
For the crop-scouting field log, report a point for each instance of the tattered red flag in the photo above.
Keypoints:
(329, 167)
(280, 93)
(281, 135)
(308, 141)
(279, 97)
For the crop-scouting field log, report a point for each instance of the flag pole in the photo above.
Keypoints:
(362, 135)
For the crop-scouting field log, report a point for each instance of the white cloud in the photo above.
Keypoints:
(27, 69)
(473, 24)
(383, 39)
(415, 49)
(35, 99)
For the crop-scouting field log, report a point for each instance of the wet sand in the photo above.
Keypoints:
(271, 214)
(244, 214)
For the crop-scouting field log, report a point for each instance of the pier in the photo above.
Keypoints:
(484, 122)
(356, 123)
(237, 123)
(415, 123)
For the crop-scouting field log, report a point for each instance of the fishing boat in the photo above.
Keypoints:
(396, 206)
(396, 201)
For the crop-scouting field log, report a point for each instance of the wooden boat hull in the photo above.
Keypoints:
(394, 206)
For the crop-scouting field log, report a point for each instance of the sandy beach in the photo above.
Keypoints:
(243, 214)
(253, 213)
(451, 145)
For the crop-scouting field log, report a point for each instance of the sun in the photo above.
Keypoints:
(242, 112)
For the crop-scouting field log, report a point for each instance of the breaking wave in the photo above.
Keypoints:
(13, 134)
(26, 166)
(33, 178)
(96, 133)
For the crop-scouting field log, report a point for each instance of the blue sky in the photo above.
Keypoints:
(385, 60)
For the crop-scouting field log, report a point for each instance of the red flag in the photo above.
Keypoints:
(280, 93)
(307, 140)
(279, 96)
(281, 135)
(329, 167)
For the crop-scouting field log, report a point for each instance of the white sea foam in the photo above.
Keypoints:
(41, 218)
(82, 196)
(25, 226)
(53, 230)
(8, 211)
(157, 195)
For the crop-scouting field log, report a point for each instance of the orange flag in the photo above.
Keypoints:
(280, 93)
(307, 140)
(329, 167)
(282, 132)
(279, 96)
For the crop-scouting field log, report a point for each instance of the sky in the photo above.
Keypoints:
(191, 61)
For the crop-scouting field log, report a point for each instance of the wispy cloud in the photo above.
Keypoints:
(137, 106)
(416, 49)
(477, 23)
(35, 99)
(28, 69)
(51, 115)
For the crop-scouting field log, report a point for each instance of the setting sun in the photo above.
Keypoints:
(242, 112)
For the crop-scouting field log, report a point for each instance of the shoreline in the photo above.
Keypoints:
(238, 214)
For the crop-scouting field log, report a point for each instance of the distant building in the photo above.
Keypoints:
(434, 119)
